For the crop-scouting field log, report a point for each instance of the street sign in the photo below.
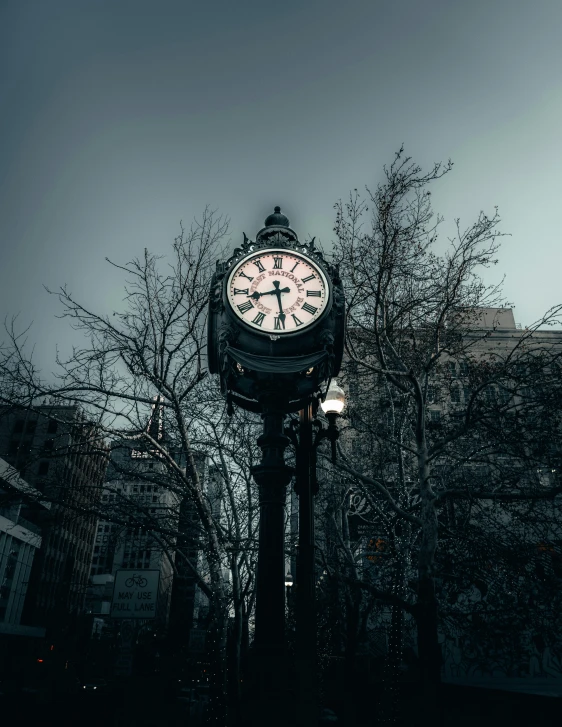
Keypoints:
(123, 666)
(135, 594)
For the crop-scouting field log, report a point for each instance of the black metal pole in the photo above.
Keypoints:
(305, 656)
(272, 476)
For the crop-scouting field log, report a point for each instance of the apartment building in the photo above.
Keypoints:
(380, 424)
(60, 454)
(20, 539)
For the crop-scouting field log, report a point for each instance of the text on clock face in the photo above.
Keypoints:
(279, 292)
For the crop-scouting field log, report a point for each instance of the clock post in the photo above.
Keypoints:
(275, 335)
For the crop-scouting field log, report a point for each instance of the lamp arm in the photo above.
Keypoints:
(290, 432)
(330, 432)
(320, 433)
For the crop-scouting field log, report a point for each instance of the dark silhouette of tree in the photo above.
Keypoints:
(442, 409)
(152, 354)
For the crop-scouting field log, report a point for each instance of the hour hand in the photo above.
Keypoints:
(257, 296)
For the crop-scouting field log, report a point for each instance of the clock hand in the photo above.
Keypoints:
(278, 292)
(256, 296)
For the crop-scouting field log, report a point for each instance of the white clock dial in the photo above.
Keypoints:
(277, 291)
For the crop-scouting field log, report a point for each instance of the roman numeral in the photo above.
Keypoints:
(309, 308)
(260, 267)
(277, 324)
(237, 291)
(258, 320)
(245, 306)
(297, 322)
(314, 293)
(293, 268)
(278, 263)
(243, 275)
(310, 277)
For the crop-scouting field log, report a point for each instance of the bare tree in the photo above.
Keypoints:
(154, 347)
(414, 318)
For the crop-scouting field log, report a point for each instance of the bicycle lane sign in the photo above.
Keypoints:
(135, 594)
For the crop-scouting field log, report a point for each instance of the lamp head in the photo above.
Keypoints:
(334, 401)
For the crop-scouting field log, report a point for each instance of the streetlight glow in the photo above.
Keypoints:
(334, 401)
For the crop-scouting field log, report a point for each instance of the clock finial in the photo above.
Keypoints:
(277, 219)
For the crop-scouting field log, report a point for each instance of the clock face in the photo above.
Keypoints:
(277, 291)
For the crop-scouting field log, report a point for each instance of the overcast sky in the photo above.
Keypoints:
(120, 118)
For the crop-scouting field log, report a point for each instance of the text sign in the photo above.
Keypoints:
(135, 594)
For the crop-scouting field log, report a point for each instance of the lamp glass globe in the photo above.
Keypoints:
(334, 401)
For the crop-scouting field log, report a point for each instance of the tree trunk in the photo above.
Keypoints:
(429, 650)
(216, 650)
(390, 702)
(237, 635)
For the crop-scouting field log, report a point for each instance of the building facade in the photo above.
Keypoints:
(141, 512)
(521, 543)
(63, 457)
(20, 539)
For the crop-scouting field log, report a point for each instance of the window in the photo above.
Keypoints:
(455, 394)
(353, 388)
(490, 394)
(452, 368)
(30, 426)
(48, 445)
(504, 395)
(520, 369)
(463, 368)
(43, 469)
(434, 415)
(18, 427)
(52, 427)
(355, 446)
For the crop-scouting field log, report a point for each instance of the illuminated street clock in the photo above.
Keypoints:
(278, 291)
(276, 319)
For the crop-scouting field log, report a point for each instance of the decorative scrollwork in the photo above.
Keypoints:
(227, 335)
(215, 296)
(338, 300)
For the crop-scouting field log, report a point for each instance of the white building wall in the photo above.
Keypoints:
(17, 549)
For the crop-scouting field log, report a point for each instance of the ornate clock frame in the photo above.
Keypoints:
(251, 362)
